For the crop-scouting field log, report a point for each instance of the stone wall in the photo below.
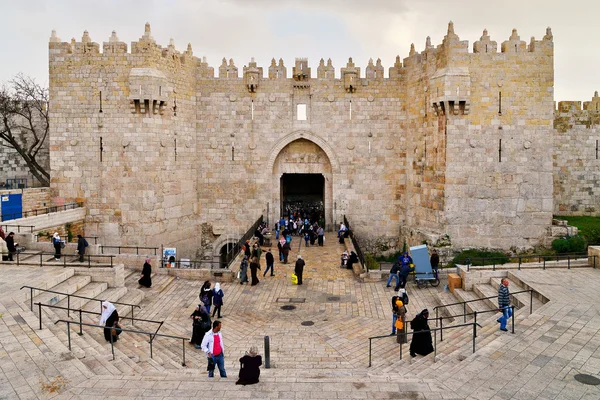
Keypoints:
(166, 153)
(577, 158)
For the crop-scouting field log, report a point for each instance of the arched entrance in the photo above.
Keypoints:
(303, 181)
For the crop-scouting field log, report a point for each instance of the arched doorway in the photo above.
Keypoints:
(303, 181)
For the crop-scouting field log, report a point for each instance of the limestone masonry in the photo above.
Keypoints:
(452, 143)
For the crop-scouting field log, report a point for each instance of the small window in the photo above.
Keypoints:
(301, 112)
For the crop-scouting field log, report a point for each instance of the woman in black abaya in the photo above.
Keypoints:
(421, 341)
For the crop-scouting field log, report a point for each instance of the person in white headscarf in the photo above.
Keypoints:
(57, 245)
(110, 319)
(217, 300)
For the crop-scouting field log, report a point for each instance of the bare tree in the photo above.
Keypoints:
(24, 122)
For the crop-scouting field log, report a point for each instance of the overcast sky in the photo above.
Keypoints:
(335, 29)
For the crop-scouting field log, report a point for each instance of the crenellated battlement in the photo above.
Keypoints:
(451, 51)
(570, 113)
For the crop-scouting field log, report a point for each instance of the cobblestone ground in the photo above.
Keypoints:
(325, 360)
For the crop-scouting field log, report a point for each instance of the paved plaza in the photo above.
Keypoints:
(324, 358)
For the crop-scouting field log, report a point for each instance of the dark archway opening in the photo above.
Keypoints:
(303, 194)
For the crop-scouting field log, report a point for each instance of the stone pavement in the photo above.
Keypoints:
(327, 359)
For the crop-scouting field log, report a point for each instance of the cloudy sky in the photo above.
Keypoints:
(336, 29)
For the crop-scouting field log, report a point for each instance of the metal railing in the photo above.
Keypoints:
(232, 254)
(434, 330)
(359, 252)
(41, 211)
(464, 304)
(151, 335)
(32, 288)
(195, 264)
(23, 257)
(541, 259)
(74, 239)
(137, 249)
(31, 228)
(81, 312)
(440, 319)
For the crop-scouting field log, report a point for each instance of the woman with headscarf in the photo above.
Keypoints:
(299, 268)
(110, 320)
(146, 275)
(421, 342)
(244, 270)
(250, 367)
(3, 250)
(57, 245)
(254, 267)
(200, 325)
(206, 295)
(217, 300)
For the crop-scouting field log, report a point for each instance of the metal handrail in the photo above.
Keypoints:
(31, 227)
(137, 249)
(434, 330)
(81, 311)
(64, 258)
(464, 303)
(31, 289)
(237, 247)
(540, 257)
(151, 335)
(46, 210)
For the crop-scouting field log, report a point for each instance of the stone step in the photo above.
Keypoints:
(487, 290)
(69, 286)
(92, 289)
(520, 300)
(464, 295)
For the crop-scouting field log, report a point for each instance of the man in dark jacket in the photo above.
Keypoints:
(81, 245)
(434, 261)
(270, 261)
(504, 304)
(394, 274)
(405, 270)
(299, 269)
(10, 244)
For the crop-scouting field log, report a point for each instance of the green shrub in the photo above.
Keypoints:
(572, 244)
(476, 258)
(371, 262)
(390, 257)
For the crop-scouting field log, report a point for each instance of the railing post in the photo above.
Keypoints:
(568, 262)
(132, 319)
(183, 347)
(137, 251)
(465, 312)
(17, 258)
(544, 266)
(80, 323)
(530, 301)
(150, 346)
(69, 333)
(31, 299)
(370, 351)
(519, 263)
(434, 345)
(400, 349)
(64, 260)
(89, 261)
(69, 305)
(267, 352)
(441, 329)
(474, 335)
(112, 345)
(40, 311)
(41, 260)
(475, 322)
(436, 317)
(513, 318)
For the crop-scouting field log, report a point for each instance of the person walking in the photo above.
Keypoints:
(3, 250)
(421, 341)
(286, 252)
(146, 275)
(206, 295)
(270, 263)
(250, 367)
(110, 320)
(81, 245)
(320, 235)
(11, 246)
(394, 274)
(217, 300)
(504, 304)
(200, 325)
(244, 270)
(254, 267)
(299, 268)
(280, 248)
(57, 245)
(434, 261)
(399, 319)
(213, 346)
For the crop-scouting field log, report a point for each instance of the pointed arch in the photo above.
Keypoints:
(307, 135)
